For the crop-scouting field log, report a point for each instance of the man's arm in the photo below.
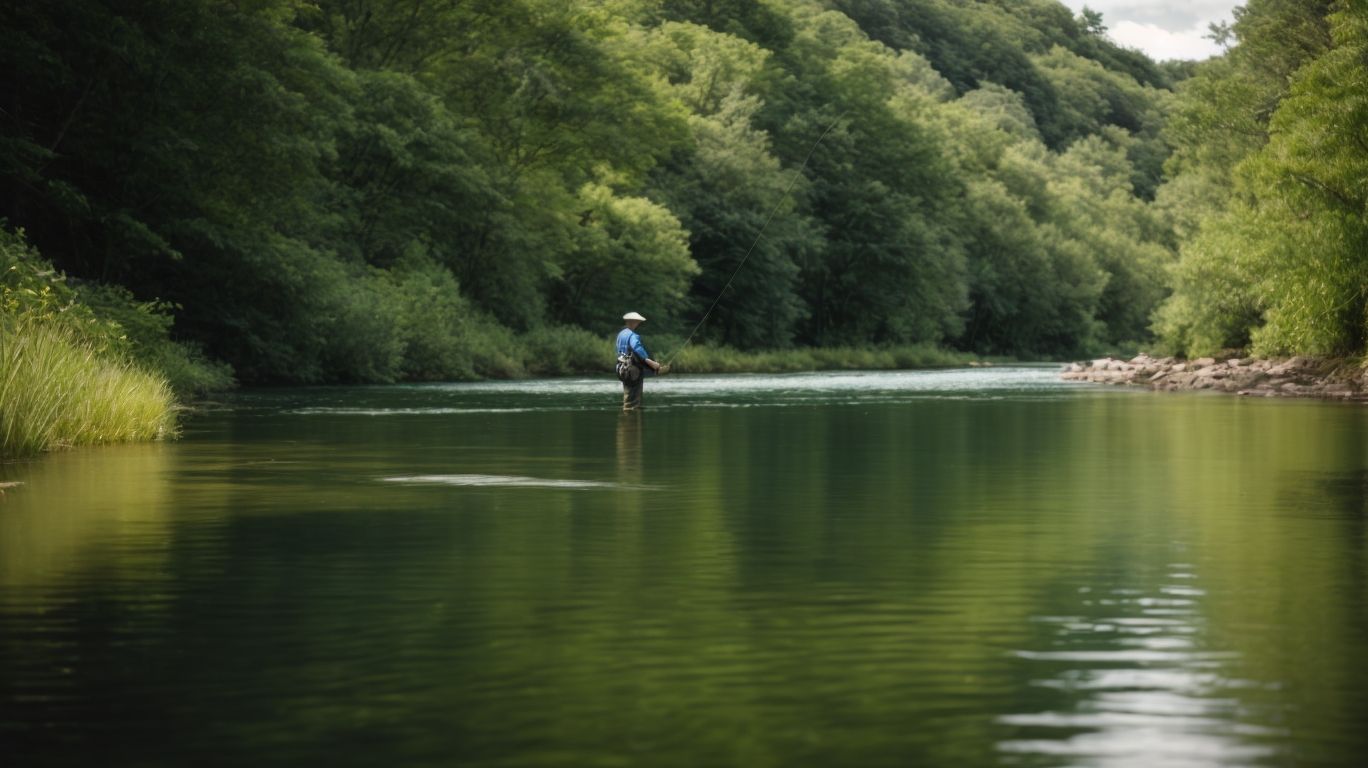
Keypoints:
(641, 352)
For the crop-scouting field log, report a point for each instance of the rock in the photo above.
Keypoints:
(1292, 365)
(1299, 376)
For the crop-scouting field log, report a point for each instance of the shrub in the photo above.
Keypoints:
(444, 337)
(105, 318)
(145, 335)
(563, 350)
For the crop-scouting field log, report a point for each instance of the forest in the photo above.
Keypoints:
(281, 191)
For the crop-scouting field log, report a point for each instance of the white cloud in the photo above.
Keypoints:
(1163, 29)
(1163, 44)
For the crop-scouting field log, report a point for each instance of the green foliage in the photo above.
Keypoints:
(443, 336)
(1277, 263)
(105, 318)
(32, 290)
(626, 251)
(146, 335)
(65, 375)
(386, 190)
(1215, 305)
(888, 270)
(715, 359)
(562, 350)
(729, 188)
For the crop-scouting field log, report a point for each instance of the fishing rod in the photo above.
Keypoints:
(758, 235)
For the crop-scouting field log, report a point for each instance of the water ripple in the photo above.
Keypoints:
(1152, 697)
(512, 481)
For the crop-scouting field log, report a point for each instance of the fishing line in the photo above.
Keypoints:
(758, 235)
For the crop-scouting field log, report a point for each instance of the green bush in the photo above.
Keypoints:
(364, 330)
(31, 288)
(145, 329)
(563, 350)
(105, 318)
(444, 337)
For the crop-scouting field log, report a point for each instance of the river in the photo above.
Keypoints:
(970, 567)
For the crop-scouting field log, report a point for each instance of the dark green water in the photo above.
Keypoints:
(965, 568)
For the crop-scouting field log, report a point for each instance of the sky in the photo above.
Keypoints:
(1164, 29)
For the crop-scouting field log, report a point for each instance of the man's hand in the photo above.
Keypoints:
(662, 369)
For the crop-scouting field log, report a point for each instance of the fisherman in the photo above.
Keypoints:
(633, 362)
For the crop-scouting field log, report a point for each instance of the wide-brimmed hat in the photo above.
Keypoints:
(633, 316)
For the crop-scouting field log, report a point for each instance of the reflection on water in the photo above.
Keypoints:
(509, 481)
(939, 568)
(1142, 687)
(73, 504)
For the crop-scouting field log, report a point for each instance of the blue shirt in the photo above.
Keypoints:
(629, 340)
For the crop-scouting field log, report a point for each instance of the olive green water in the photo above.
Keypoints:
(955, 568)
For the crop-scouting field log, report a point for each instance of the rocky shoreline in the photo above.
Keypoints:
(1331, 379)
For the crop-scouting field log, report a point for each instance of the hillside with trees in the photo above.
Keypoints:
(383, 190)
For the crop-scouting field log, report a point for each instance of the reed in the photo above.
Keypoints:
(58, 391)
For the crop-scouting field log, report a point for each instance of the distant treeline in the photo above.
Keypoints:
(376, 190)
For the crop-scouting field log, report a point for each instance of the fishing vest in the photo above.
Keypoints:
(626, 360)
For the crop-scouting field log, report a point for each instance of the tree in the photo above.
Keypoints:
(627, 250)
(1091, 22)
(728, 188)
(1263, 134)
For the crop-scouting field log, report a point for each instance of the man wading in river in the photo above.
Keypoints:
(633, 361)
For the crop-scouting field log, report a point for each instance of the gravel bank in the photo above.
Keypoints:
(1332, 379)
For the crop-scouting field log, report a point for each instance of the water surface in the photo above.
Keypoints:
(960, 568)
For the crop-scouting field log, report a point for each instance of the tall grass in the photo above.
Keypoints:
(57, 391)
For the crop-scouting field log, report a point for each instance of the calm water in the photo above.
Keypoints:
(956, 568)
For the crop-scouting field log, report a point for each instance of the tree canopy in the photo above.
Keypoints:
(374, 190)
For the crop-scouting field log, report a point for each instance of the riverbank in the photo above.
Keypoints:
(1326, 378)
(700, 358)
